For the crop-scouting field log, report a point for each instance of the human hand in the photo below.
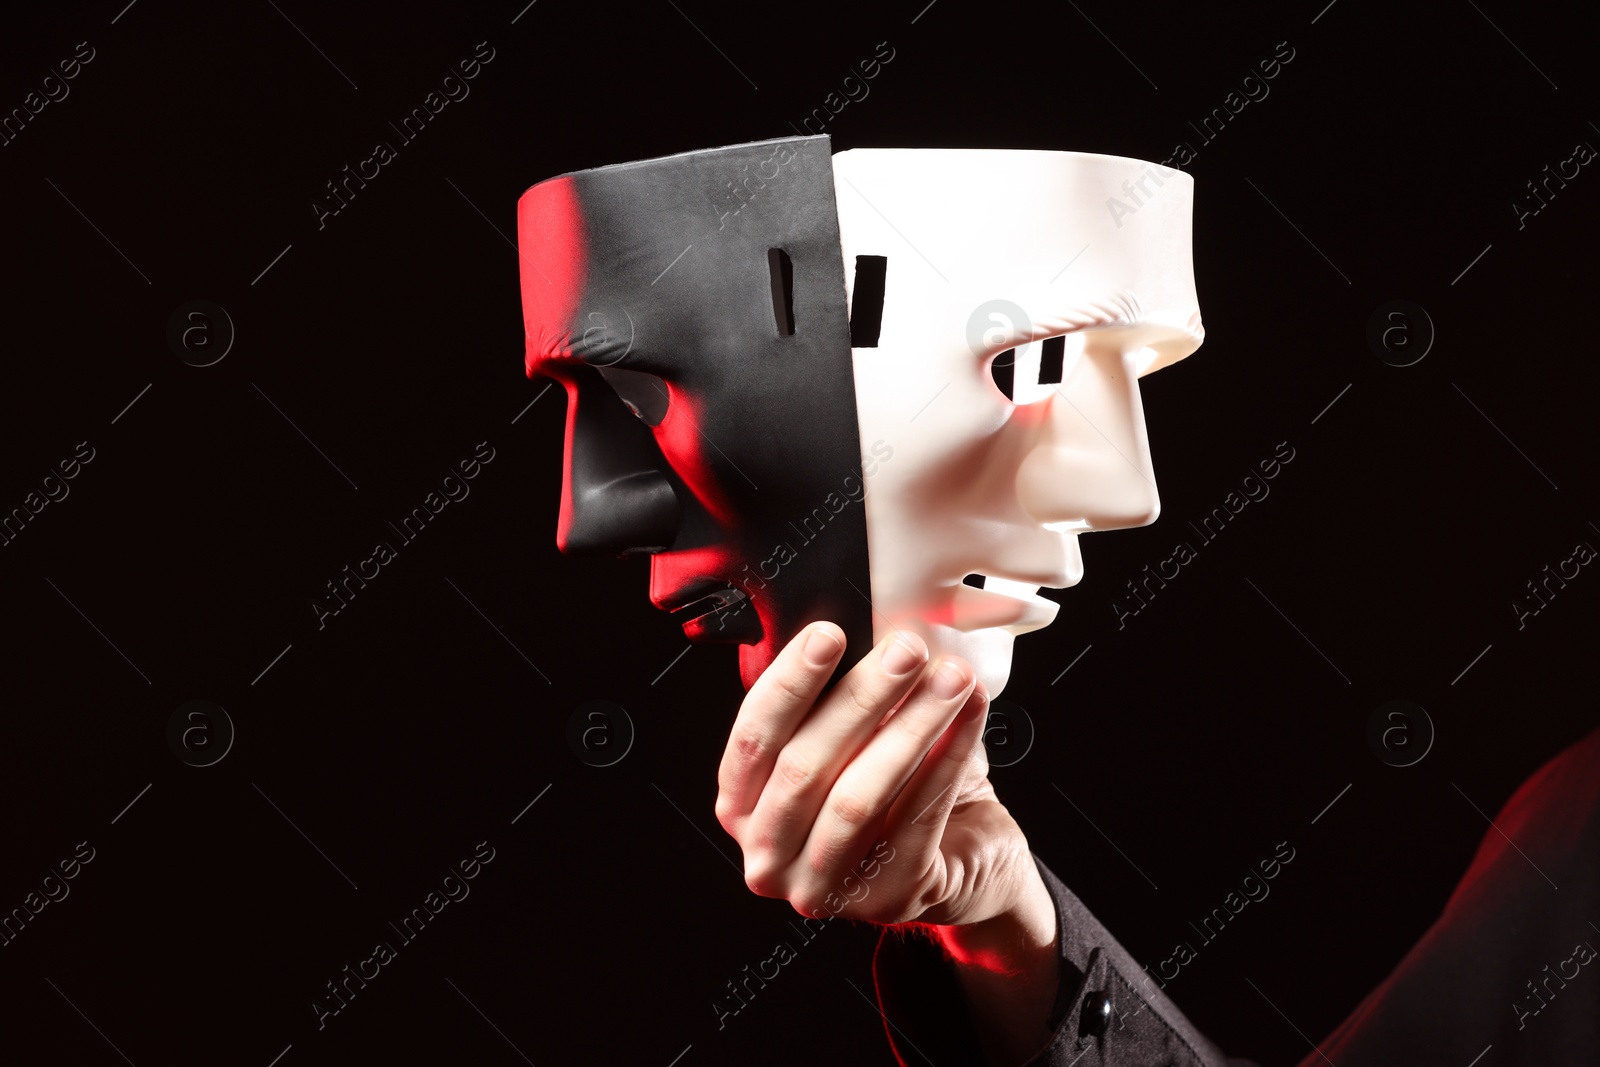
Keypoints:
(892, 761)
(892, 754)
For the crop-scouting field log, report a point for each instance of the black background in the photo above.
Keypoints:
(187, 157)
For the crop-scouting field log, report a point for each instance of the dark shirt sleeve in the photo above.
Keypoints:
(1107, 1012)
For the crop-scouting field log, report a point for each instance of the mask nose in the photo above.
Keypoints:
(1090, 465)
(615, 498)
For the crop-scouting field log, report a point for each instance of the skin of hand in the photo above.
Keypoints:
(811, 788)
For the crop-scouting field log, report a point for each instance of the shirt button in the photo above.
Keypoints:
(1096, 1017)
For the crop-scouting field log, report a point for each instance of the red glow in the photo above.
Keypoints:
(986, 959)
(554, 255)
(684, 445)
(564, 520)
(1542, 832)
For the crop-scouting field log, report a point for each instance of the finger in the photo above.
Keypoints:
(806, 768)
(916, 822)
(769, 715)
(860, 801)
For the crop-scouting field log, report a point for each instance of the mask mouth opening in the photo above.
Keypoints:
(1003, 586)
(730, 597)
(984, 602)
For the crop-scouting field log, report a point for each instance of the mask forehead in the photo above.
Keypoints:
(1054, 241)
(641, 261)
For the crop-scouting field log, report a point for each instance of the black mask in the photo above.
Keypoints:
(694, 308)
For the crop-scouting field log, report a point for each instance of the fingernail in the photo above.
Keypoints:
(821, 646)
(906, 652)
(948, 681)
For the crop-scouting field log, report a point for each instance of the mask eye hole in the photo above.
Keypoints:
(1052, 359)
(1032, 371)
(780, 271)
(644, 394)
(866, 301)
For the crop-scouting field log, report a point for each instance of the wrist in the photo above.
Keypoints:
(1016, 940)
(1009, 971)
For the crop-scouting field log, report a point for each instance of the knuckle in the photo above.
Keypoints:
(960, 757)
(761, 877)
(794, 686)
(849, 808)
(749, 745)
(821, 864)
(801, 911)
(727, 817)
(864, 696)
(980, 761)
(795, 771)
(809, 902)
(914, 724)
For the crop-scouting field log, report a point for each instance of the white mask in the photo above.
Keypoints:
(987, 252)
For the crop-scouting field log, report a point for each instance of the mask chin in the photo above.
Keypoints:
(994, 670)
(988, 650)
